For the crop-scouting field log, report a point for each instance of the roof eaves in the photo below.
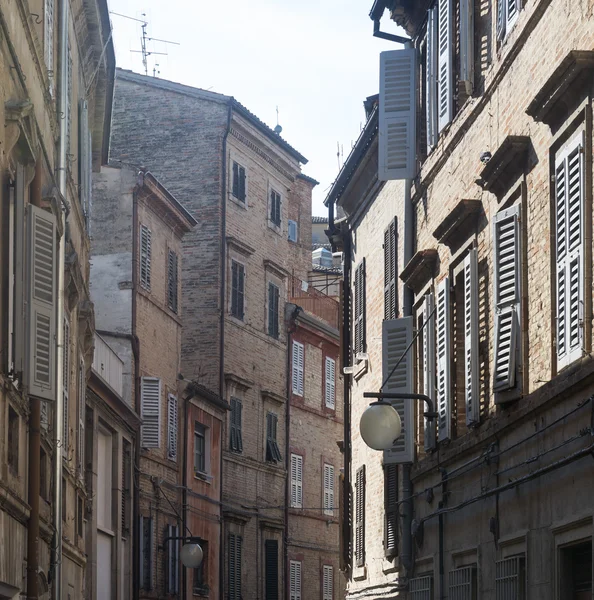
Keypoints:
(191, 221)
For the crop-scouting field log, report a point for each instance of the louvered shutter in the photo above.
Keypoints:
(82, 386)
(431, 71)
(69, 104)
(397, 103)
(150, 400)
(234, 583)
(292, 231)
(235, 185)
(295, 580)
(145, 257)
(328, 583)
(330, 383)
(242, 184)
(172, 426)
(391, 510)
(446, 71)
(429, 366)
(506, 282)
(298, 368)
(48, 41)
(396, 337)
(569, 200)
(296, 481)
(390, 267)
(271, 565)
(360, 516)
(471, 338)
(141, 551)
(84, 153)
(41, 368)
(467, 44)
(172, 281)
(66, 388)
(360, 341)
(444, 404)
(501, 18)
(328, 489)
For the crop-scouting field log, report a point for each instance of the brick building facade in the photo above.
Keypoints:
(495, 215)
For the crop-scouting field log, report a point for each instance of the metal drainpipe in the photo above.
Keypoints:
(185, 487)
(59, 412)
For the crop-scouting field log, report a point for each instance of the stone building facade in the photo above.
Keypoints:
(136, 287)
(56, 73)
(496, 207)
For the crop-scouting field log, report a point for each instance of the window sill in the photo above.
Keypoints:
(360, 572)
(362, 368)
(276, 228)
(205, 477)
(238, 202)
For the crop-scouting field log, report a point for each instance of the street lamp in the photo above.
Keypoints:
(191, 554)
(380, 423)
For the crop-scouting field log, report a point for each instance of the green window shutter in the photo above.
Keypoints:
(271, 566)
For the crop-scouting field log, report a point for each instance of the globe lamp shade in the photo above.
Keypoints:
(380, 426)
(191, 555)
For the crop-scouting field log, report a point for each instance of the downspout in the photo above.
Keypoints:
(222, 331)
(59, 412)
(185, 486)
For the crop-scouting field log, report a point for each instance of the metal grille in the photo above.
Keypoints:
(463, 583)
(510, 579)
(421, 588)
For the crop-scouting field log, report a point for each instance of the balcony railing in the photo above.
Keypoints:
(108, 365)
(313, 301)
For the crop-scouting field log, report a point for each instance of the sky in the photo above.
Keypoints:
(317, 60)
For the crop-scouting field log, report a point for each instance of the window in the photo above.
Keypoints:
(200, 449)
(82, 387)
(443, 342)
(330, 380)
(126, 497)
(471, 338)
(146, 553)
(298, 368)
(271, 566)
(507, 15)
(427, 359)
(145, 257)
(14, 423)
(569, 250)
(273, 301)
(390, 271)
(359, 316)
(293, 236)
(234, 566)
(237, 289)
(235, 418)
(66, 386)
(79, 516)
(295, 580)
(48, 40)
(328, 484)
(172, 427)
(272, 451)
(391, 510)
(575, 577)
(360, 517)
(43, 479)
(275, 208)
(328, 583)
(200, 578)
(64, 500)
(172, 531)
(172, 281)
(421, 588)
(462, 583)
(150, 408)
(296, 481)
(85, 160)
(239, 182)
(105, 480)
(510, 578)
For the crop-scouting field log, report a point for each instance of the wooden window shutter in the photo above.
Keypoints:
(431, 79)
(443, 331)
(298, 368)
(172, 426)
(390, 271)
(234, 562)
(271, 566)
(446, 71)
(397, 121)
(41, 367)
(295, 580)
(360, 516)
(235, 183)
(150, 400)
(328, 484)
(85, 156)
(145, 257)
(569, 203)
(467, 44)
(66, 388)
(429, 366)
(471, 338)
(328, 583)
(82, 386)
(330, 383)
(242, 177)
(273, 302)
(391, 510)
(172, 281)
(506, 283)
(292, 233)
(48, 40)
(360, 341)
(237, 289)
(272, 450)
(235, 433)
(396, 337)
(296, 481)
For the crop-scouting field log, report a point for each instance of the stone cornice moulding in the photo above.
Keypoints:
(239, 245)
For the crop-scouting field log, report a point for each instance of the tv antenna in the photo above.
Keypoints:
(143, 40)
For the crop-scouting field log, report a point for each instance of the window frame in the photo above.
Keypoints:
(275, 203)
(359, 314)
(236, 294)
(273, 301)
(238, 197)
(236, 425)
(273, 453)
(202, 431)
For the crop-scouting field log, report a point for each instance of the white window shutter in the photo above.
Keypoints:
(150, 401)
(66, 387)
(429, 365)
(471, 338)
(41, 367)
(431, 71)
(328, 583)
(83, 157)
(172, 427)
(298, 365)
(328, 489)
(295, 580)
(296, 481)
(512, 11)
(569, 202)
(330, 383)
(397, 123)
(145, 257)
(396, 336)
(48, 41)
(82, 387)
(444, 404)
(446, 71)
(467, 44)
(506, 283)
(501, 18)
